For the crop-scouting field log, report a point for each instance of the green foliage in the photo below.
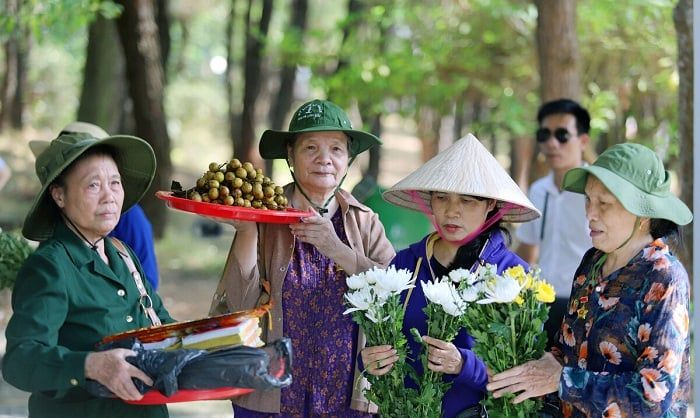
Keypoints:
(510, 334)
(57, 18)
(629, 68)
(399, 56)
(14, 250)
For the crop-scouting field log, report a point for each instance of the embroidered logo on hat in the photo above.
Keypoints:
(310, 110)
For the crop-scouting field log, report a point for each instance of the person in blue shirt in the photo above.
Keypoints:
(134, 228)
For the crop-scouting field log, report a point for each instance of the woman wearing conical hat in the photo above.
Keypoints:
(467, 194)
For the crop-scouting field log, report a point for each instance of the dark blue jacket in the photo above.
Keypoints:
(469, 386)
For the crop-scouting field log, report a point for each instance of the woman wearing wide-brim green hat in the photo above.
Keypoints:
(624, 343)
(304, 265)
(134, 156)
(79, 286)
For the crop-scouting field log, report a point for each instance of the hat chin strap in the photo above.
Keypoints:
(488, 223)
(320, 209)
(92, 245)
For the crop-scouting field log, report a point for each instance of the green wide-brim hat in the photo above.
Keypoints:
(315, 116)
(635, 175)
(134, 157)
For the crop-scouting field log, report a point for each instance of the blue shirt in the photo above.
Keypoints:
(135, 230)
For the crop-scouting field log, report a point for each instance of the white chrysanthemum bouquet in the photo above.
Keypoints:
(506, 314)
(445, 313)
(374, 300)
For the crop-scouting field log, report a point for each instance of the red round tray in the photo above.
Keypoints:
(178, 329)
(153, 397)
(287, 216)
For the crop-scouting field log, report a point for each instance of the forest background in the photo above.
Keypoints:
(201, 79)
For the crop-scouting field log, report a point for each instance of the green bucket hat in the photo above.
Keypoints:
(635, 175)
(134, 157)
(315, 116)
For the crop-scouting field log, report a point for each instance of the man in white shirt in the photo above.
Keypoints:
(557, 240)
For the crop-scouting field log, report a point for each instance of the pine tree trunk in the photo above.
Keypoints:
(244, 145)
(285, 93)
(104, 91)
(683, 21)
(557, 49)
(144, 72)
(12, 89)
(233, 115)
(558, 59)
(428, 131)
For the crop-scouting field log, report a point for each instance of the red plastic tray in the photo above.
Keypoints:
(287, 216)
(153, 397)
(178, 329)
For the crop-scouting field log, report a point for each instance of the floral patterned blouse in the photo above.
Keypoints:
(624, 341)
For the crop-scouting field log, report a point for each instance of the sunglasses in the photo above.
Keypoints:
(560, 134)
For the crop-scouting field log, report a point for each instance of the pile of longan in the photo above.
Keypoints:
(238, 184)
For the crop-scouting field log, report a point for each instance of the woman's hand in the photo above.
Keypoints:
(443, 357)
(112, 370)
(379, 360)
(532, 379)
(319, 232)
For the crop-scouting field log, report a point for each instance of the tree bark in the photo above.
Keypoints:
(144, 72)
(428, 130)
(683, 21)
(285, 94)
(104, 92)
(244, 145)
(557, 49)
(558, 60)
(233, 115)
(354, 8)
(13, 85)
(163, 22)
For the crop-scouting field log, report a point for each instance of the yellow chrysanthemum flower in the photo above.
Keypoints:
(544, 292)
(517, 272)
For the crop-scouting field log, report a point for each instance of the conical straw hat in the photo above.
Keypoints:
(467, 168)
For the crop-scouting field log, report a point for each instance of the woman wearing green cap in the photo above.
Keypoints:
(304, 266)
(79, 287)
(624, 344)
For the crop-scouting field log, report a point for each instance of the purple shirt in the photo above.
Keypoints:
(323, 339)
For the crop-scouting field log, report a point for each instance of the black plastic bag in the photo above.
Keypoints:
(263, 368)
(160, 365)
(269, 367)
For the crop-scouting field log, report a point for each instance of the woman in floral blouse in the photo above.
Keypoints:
(624, 345)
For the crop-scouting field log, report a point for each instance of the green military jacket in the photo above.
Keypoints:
(65, 300)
